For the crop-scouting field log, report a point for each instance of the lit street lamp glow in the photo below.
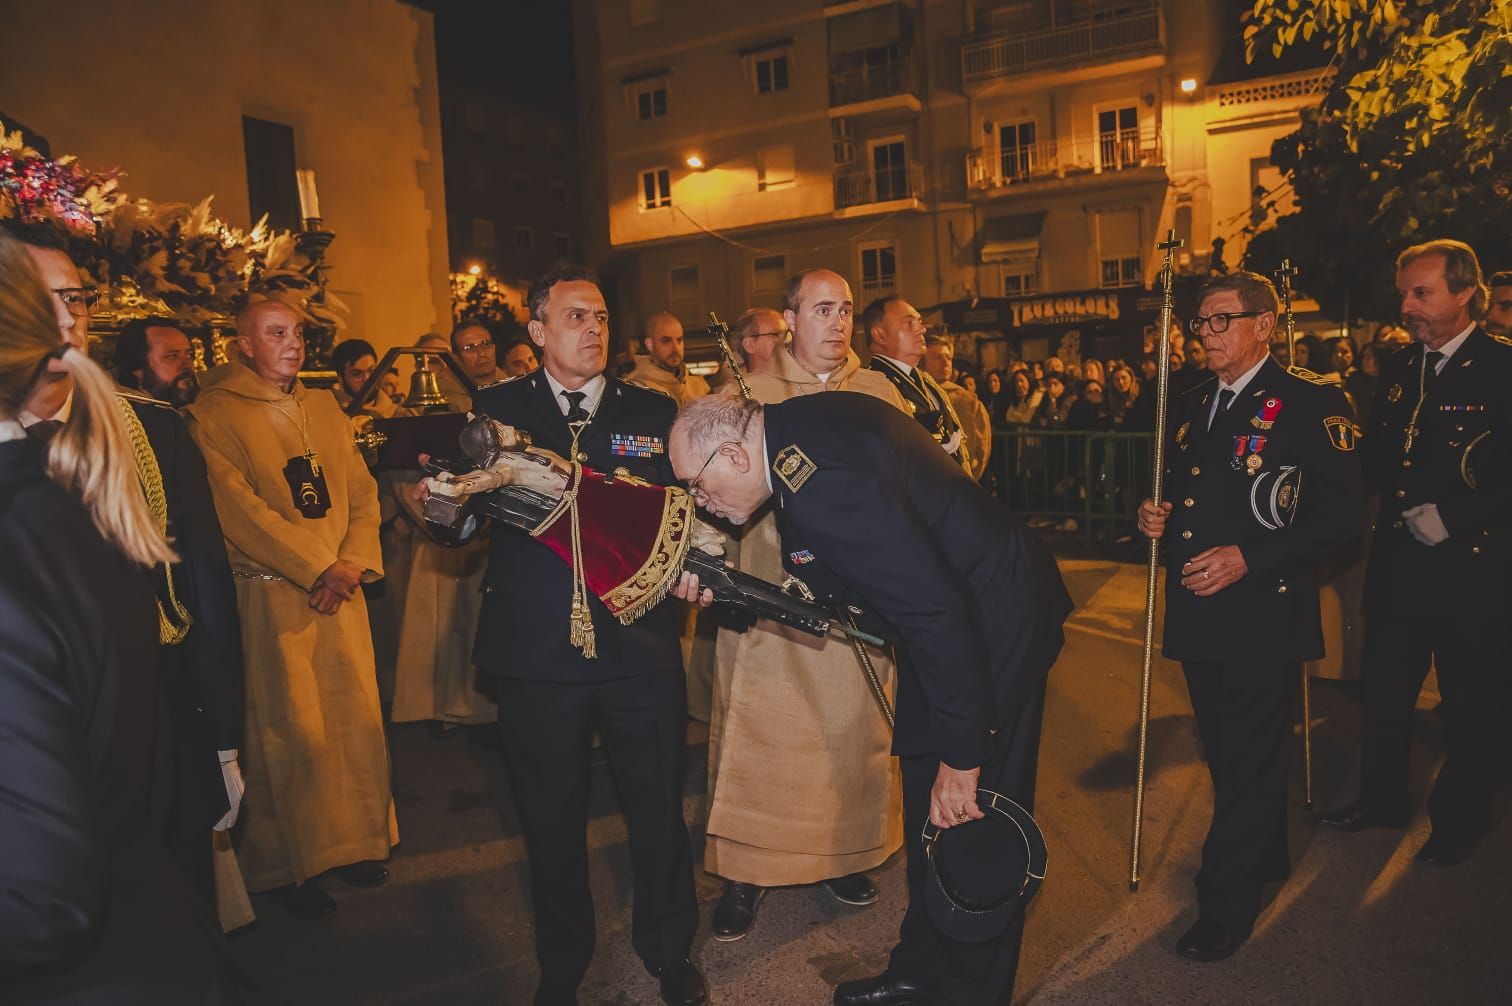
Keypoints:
(695, 162)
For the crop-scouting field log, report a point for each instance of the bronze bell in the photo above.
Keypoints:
(424, 392)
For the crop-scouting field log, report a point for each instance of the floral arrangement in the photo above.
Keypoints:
(158, 258)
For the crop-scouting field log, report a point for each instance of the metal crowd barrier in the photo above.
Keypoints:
(1096, 479)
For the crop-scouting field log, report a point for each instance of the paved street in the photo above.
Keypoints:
(1359, 921)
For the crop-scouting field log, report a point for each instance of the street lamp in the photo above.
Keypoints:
(695, 162)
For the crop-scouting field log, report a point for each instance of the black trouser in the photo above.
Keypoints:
(959, 973)
(1241, 710)
(1470, 649)
(547, 730)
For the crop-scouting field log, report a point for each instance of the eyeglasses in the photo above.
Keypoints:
(474, 347)
(762, 335)
(1219, 323)
(694, 489)
(78, 299)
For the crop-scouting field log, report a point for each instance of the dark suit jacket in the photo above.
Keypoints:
(889, 522)
(92, 910)
(204, 680)
(1461, 459)
(1273, 611)
(527, 589)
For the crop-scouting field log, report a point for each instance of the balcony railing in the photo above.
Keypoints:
(1009, 53)
(1121, 150)
(878, 185)
(884, 79)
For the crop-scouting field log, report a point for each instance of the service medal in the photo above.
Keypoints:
(1266, 417)
(1253, 463)
(1394, 393)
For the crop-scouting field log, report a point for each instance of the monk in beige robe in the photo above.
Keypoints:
(662, 368)
(802, 786)
(300, 515)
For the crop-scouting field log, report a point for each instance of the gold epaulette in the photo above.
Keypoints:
(1318, 379)
(495, 384)
(1501, 339)
(132, 395)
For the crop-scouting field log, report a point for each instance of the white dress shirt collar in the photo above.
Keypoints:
(11, 429)
(1451, 347)
(27, 419)
(1237, 387)
(593, 390)
(905, 367)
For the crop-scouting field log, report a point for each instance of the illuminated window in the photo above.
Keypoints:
(655, 188)
(772, 74)
(879, 269)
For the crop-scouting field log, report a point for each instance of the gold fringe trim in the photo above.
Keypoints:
(170, 632)
(659, 573)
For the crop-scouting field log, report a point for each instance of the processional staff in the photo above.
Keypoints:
(1283, 285)
(1162, 394)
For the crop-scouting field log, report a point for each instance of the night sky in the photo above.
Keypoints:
(522, 47)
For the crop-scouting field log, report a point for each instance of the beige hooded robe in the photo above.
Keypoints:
(314, 756)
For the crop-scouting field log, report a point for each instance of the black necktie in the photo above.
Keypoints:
(1225, 398)
(1430, 367)
(575, 411)
(42, 431)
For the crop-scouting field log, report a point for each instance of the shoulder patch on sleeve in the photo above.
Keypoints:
(1342, 432)
(793, 467)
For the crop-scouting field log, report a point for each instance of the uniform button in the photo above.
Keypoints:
(1187, 535)
(1401, 493)
(1189, 502)
(1406, 462)
(1281, 589)
(1396, 523)
(1196, 470)
(1475, 549)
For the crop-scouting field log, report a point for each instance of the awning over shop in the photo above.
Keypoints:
(1013, 238)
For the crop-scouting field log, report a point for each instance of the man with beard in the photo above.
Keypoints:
(1437, 584)
(153, 356)
(662, 369)
(1498, 320)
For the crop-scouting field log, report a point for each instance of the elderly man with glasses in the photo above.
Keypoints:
(1263, 482)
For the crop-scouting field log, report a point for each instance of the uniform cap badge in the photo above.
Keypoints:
(1394, 393)
(793, 467)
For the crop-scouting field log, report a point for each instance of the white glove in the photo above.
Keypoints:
(1425, 523)
(953, 444)
(235, 787)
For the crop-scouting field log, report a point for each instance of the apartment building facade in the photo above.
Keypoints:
(1007, 166)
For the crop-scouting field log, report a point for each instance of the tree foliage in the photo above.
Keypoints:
(1410, 141)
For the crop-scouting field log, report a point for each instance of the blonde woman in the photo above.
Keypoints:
(92, 910)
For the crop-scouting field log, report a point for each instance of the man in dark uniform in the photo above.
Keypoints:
(200, 630)
(972, 599)
(896, 331)
(1438, 587)
(551, 696)
(1264, 481)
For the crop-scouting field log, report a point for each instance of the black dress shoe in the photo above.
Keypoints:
(736, 910)
(1209, 941)
(853, 889)
(682, 984)
(883, 990)
(1441, 851)
(367, 873)
(1354, 817)
(306, 901)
